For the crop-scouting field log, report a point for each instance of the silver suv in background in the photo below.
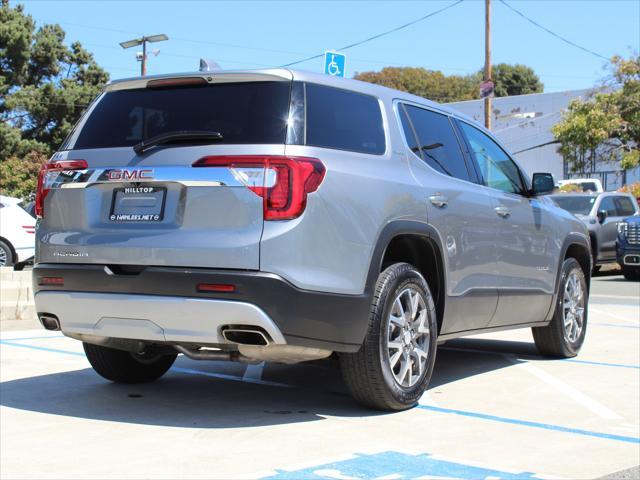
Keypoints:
(285, 216)
(601, 213)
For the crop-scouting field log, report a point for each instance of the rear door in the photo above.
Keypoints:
(160, 207)
(461, 212)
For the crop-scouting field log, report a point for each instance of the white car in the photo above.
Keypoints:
(587, 184)
(17, 232)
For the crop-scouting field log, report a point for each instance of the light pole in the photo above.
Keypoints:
(143, 41)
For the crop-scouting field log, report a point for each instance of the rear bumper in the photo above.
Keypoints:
(152, 317)
(170, 308)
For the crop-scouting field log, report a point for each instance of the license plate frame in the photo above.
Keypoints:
(122, 214)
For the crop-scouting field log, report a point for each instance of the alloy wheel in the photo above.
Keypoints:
(573, 307)
(408, 334)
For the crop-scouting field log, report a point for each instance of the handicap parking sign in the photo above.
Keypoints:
(334, 64)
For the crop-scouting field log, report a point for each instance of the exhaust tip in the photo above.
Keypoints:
(246, 336)
(49, 321)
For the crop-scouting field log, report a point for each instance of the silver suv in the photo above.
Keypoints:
(284, 216)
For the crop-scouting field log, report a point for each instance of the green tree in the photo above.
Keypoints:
(19, 175)
(515, 80)
(44, 84)
(435, 85)
(431, 84)
(606, 126)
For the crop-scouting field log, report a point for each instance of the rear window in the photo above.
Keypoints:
(251, 112)
(589, 186)
(343, 120)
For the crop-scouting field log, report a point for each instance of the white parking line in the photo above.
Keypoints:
(579, 397)
(613, 315)
(624, 297)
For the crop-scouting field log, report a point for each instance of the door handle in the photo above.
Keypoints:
(439, 201)
(503, 211)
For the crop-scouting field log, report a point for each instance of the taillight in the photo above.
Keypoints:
(49, 172)
(283, 182)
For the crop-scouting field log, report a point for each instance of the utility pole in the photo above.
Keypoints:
(487, 61)
(143, 62)
(143, 41)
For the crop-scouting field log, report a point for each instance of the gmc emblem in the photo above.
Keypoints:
(130, 174)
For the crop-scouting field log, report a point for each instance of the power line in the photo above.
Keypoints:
(247, 47)
(565, 40)
(380, 34)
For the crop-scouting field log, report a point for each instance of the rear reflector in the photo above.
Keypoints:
(29, 228)
(216, 287)
(283, 182)
(51, 281)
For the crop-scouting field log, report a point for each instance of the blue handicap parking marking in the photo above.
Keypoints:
(398, 465)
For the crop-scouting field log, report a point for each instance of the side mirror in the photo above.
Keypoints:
(602, 216)
(542, 183)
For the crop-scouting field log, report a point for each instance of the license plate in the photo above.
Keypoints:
(138, 204)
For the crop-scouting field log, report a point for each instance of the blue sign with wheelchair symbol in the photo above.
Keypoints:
(335, 64)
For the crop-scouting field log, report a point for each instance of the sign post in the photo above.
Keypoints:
(335, 64)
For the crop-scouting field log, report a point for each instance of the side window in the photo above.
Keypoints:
(609, 206)
(498, 170)
(624, 207)
(437, 143)
(343, 120)
(409, 133)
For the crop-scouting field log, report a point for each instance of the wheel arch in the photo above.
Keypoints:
(575, 246)
(14, 254)
(593, 249)
(405, 241)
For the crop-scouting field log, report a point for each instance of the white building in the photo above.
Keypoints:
(523, 123)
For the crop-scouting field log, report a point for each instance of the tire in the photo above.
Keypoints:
(124, 367)
(555, 339)
(6, 255)
(368, 373)
(631, 274)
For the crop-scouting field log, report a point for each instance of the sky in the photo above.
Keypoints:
(258, 34)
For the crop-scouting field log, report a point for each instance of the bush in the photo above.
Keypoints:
(570, 187)
(633, 189)
(19, 176)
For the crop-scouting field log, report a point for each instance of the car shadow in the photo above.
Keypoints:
(609, 272)
(213, 394)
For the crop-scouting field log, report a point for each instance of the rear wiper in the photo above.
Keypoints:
(177, 136)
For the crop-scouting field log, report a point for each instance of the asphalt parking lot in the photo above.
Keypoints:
(495, 409)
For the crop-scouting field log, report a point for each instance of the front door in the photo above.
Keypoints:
(526, 255)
